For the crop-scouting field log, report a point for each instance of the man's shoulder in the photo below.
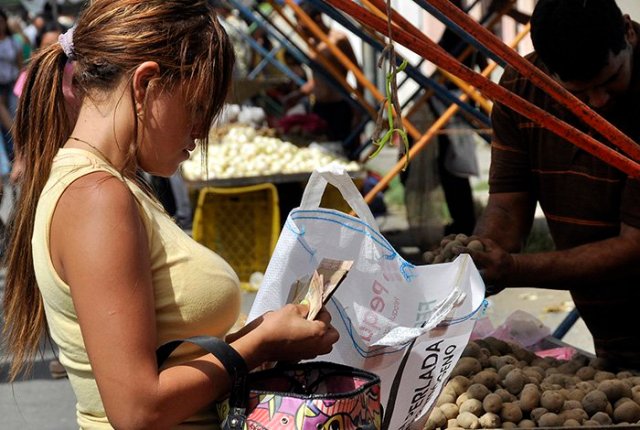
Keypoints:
(511, 78)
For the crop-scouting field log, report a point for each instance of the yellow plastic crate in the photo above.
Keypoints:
(241, 224)
(332, 199)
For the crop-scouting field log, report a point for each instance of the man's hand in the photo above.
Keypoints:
(494, 263)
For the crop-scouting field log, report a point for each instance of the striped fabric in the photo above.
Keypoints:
(584, 200)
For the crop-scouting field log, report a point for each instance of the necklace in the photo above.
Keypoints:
(94, 147)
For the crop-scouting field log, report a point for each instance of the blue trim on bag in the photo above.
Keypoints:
(482, 308)
(405, 267)
(392, 251)
(385, 350)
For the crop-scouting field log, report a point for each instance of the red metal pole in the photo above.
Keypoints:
(428, 49)
(540, 79)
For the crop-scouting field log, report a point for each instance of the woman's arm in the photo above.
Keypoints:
(99, 247)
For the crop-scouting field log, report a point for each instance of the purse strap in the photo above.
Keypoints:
(233, 363)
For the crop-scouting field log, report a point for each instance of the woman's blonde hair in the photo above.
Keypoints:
(111, 39)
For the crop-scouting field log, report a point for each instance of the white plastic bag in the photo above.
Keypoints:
(409, 324)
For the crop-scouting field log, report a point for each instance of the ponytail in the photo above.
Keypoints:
(41, 127)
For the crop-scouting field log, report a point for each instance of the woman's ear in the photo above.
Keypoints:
(142, 77)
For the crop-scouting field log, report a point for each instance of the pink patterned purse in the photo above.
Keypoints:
(304, 396)
(308, 396)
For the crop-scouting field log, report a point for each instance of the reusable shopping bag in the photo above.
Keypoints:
(407, 324)
(306, 396)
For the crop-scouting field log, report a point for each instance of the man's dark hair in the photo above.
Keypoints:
(573, 37)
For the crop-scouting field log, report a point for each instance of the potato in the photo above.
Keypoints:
(556, 379)
(576, 394)
(492, 403)
(505, 395)
(459, 384)
(511, 412)
(477, 391)
(475, 245)
(450, 410)
(627, 412)
(529, 398)
(594, 401)
(429, 257)
(490, 420)
(624, 374)
(621, 401)
(571, 423)
(590, 423)
(571, 404)
(614, 389)
(602, 375)
(552, 401)
(497, 346)
(514, 381)
(468, 420)
(537, 413)
(466, 366)
(550, 420)
(472, 405)
(577, 414)
(472, 350)
(462, 238)
(602, 418)
(447, 250)
(436, 419)
(551, 371)
(569, 368)
(540, 362)
(500, 361)
(526, 424)
(488, 378)
(586, 386)
(462, 398)
(504, 370)
(453, 423)
(598, 363)
(509, 425)
(445, 398)
(532, 376)
(586, 373)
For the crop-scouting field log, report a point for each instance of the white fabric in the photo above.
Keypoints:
(409, 324)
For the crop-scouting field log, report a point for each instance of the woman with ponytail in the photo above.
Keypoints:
(93, 260)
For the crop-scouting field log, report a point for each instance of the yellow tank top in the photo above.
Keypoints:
(196, 291)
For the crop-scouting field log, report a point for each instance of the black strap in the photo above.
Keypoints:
(233, 363)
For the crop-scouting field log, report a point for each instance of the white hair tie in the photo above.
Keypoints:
(66, 41)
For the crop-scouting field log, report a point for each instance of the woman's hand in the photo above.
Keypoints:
(286, 335)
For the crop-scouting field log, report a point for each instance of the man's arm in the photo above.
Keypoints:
(507, 219)
(609, 260)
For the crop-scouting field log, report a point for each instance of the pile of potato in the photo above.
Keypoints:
(496, 384)
(444, 253)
